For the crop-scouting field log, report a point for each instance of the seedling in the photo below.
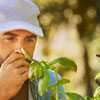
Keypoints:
(39, 69)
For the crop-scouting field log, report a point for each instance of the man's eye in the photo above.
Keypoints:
(10, 38)
(30, 40)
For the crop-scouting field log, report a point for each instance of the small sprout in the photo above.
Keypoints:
(39, 70)
(26, 55)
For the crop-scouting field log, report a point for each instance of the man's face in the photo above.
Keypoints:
(14, 41)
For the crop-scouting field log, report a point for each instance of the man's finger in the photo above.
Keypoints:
(25, 76)
(14, 56)
(22, 70)
(19, 63)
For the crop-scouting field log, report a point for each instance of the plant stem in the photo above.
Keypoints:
(56, 86)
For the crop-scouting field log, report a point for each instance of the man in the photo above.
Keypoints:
(19, 28)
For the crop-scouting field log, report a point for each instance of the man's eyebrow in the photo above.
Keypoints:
(32, 36)
(13, 34)
(10, 33)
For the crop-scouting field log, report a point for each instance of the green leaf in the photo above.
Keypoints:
(53, 68)
(44, 63)
(97, 91)
(97, 97)
(31, 75)
(88, 98)
(97, 76)
(74, 96)
(36, 70)
(52, 90)
(52, 97)
(43, 83)
(60, 82)
(65, 62)
(51, 86)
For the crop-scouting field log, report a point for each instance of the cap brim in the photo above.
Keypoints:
(13, 25)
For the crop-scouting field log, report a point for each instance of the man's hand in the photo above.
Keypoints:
(13, 74)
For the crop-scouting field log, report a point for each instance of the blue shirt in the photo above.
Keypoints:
(46, 95)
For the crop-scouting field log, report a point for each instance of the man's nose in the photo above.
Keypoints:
(18, 48)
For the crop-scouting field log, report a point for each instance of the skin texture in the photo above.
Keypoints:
(14, 67)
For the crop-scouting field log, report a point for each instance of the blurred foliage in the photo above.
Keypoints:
(80, 12)
(81, 17)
